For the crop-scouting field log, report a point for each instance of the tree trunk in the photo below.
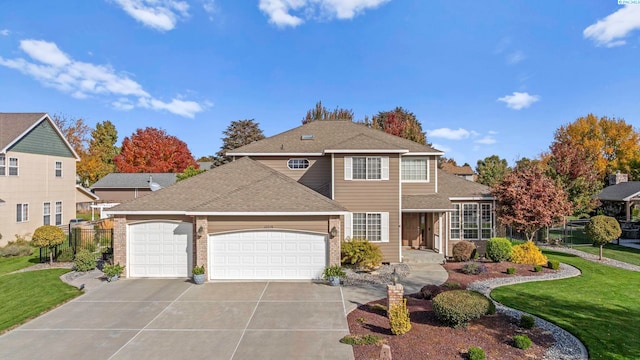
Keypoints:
(601, 246)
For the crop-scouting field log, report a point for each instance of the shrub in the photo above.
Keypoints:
(511, 270)
(361, 253)
(499, 249)
(428, 292)
(458, 307)
(89, 246)
(112, 270)
(601, 230)
(528, 253)
(368, 339)
(527, 322)
(48, 236)
(522, 342)
(451, 285)
(399, 320)
(19, 247)
(463, 250)
(85, 261)
(65, 255)
(474, 268)
(476, 353)
(553, 264)
(333, 271)
(537, 268)
(378, 308)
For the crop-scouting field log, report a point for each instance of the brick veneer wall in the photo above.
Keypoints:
(395, 295)
(120, 241)
(200, 243)
(334, 244)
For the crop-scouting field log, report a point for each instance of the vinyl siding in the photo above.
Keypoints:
(373, 196)
(43, 140)
(218, 224)
(412, 188)
(315, 176)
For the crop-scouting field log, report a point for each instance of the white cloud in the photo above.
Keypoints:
(160, 15)
(492, 132)
(519, 100)
(450, 134)
(515, 57)
(280, 11)
(209, 7)
(612, 30)
(54, 68)
(486, 140)
(441, 147)
(5, 32)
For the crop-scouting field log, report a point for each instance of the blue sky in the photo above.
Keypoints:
(483, 77)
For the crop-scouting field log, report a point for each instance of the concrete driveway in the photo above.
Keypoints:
(174, 319)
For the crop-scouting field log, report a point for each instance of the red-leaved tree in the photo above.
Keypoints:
(529, 200)
(153, 150)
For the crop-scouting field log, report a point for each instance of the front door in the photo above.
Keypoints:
(411, 231)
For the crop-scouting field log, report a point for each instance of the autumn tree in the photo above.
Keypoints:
(611, 143)
(153, 150)
(491, 170)
(319, 112)
(445, 160)
(238, 133)
(75, 131)
(98, 161)
(529, 200)
(399, 122)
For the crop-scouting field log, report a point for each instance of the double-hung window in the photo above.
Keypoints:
(3, 165)
(455, 222)
(46, 214)
(370, 226)
(58, 212)
(13, 166)
(58, 169)
(471, 221)
(22, 212)
(486, 220)
(415, 169)
(366, 168)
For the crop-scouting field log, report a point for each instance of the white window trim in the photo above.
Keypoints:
(55, 169)
(461, 227)
(384, 225)
(298, 159)
(416, 158)
(384, 168)
(45, 214)
(22, 212)
(17, 167)
(55, 210)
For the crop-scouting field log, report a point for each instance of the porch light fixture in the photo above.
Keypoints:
(333, 232)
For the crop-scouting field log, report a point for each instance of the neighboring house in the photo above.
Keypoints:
(625, 194)
(464, 171)
(37, 175)
(281, 209)
(119, 187)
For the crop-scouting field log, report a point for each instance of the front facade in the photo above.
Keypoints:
(37, 175)
(351, 182)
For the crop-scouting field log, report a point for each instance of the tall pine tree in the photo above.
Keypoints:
(238, 133)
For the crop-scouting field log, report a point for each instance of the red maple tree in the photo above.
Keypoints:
(153, 150)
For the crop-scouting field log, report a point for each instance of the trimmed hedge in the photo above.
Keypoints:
(457, 307)
(463, 250)
(476, 353)
(553, 264)
(527, 322)
(522, 342)
(499, 249)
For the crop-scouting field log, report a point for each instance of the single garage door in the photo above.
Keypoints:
(160, 249)
(264, 255)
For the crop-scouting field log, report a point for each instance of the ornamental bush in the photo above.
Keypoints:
(476, 353)
(499, 249)
(601, 230)
(48, 236)
(458, 307)
(85, 261)
(362, 253)
(522, 342)
(528, 253)
(20, 247)
(511, 270)
(553, 264)
(527, 322)
(463, 250)
(474, 268)
(399, 319)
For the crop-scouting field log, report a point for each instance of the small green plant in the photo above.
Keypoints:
(20, 247)
(361, 253)
(378, 307)
(458, 307)
(474, 268)
(198, 270)
(553, 264)
(361, 320)
(511, 270)
(499, 249)
(113, 270)
(399, 319)
(333, 271)
(527, 322)
(537, 268)
(522, 342)
(463, 250)
(451, 285)
(65, 255)
(368, 339)
(475, 353)
(85, 261)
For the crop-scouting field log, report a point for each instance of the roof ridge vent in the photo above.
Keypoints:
(306, 137)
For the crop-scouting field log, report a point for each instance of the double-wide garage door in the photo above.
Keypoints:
(263, 255)
(160, 249)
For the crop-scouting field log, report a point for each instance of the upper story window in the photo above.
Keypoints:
(366, 168)
(415, 169)
(298, 164)
(13, 166)
(58, 168)
(22, 212)
(3, 165)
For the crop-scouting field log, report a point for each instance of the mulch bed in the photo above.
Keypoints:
(430, 340)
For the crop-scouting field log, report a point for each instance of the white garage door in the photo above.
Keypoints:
(160, 249)
(262, 255)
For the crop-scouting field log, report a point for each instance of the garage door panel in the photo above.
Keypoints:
(159, 249)
(267, 255)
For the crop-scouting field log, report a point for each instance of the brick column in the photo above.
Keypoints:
(334, 244)
(395, 295)
(120, 241)
(200, 242)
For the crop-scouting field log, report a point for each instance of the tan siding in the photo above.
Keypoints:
(317, 224)
(373, 196)
(409, 188)
(317, 175)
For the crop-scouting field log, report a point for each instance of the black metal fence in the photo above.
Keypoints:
(98, 241)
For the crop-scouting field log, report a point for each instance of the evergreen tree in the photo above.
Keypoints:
(238, 133)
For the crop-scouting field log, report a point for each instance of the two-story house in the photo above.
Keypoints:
(282, 208)
(37, 175)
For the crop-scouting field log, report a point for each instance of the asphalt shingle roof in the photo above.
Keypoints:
(457, 170)
(243, 185)
(134, 180)
(620, 192)
(453, 186)
(13, 125)
(333, 135)
(426, 202)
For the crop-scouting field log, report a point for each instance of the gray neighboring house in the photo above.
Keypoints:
(627, 193)
(119, 187)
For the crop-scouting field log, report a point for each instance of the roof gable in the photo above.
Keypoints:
(33, 133)
(620, 192)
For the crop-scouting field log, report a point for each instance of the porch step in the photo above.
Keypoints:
(415, 256)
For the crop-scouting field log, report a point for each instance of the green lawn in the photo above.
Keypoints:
(615, 252)
(600, 307)
(29, 294)
(10, 264)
